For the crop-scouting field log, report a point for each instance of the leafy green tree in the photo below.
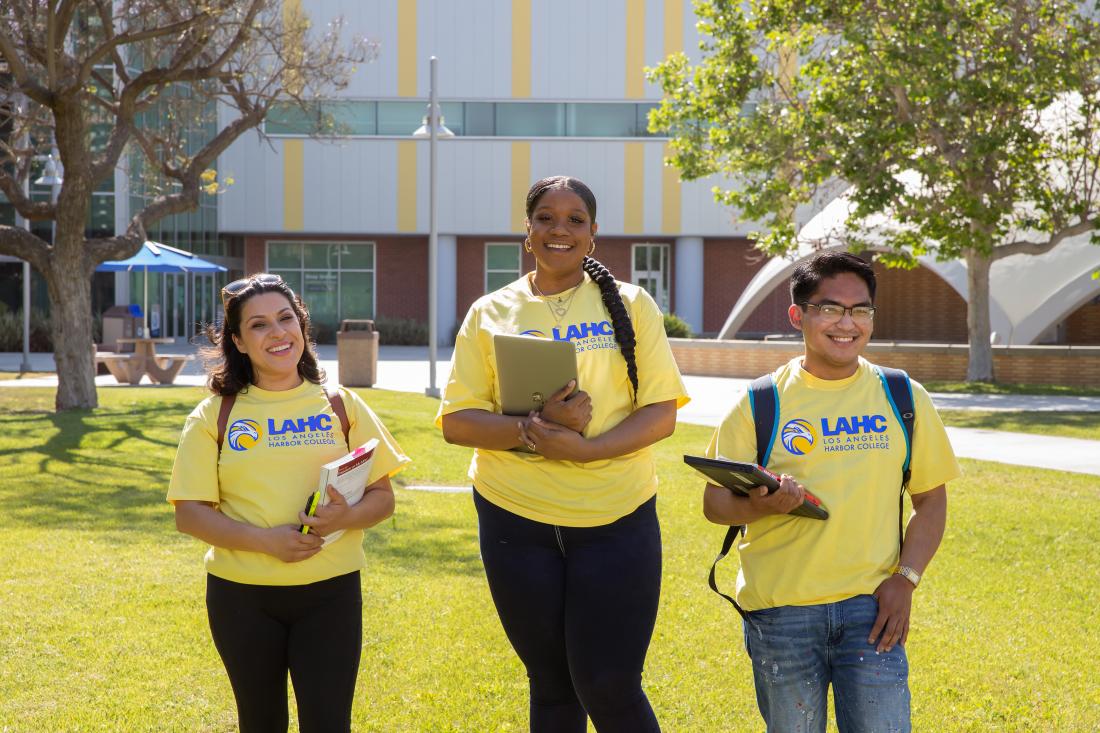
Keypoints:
(963, 128)
(104, 79)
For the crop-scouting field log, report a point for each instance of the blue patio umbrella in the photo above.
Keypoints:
(156, 257)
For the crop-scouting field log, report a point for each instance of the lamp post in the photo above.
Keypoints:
(433, 129)
(52, 177)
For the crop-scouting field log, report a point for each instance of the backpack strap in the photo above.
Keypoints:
(764, 402)
(337, 402)
(334, 399)
(899, 392)
(223, 417)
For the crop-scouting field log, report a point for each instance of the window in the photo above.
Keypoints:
(650, 271)
(503, 262)
(399, 118)
(334, 279)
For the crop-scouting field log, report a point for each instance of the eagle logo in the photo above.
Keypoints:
(798, 437)
(243, 434)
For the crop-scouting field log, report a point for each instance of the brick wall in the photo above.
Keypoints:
(925, 362)
(918, 305)
(1083, 325)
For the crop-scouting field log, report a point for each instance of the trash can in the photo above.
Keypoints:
(357, 353)
(120, 321)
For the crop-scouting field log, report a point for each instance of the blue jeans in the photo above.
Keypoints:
(578, 605)
(797, 651)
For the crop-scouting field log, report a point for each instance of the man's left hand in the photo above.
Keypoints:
(895, 602)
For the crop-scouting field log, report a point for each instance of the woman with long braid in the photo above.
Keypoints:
(569, 533)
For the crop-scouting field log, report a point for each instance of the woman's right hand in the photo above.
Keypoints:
(568, 408)
(288, 544)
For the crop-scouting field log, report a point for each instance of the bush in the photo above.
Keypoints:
(676, 327)
(401, 332)
(11, 331)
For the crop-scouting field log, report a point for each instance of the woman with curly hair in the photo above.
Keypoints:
(568, 527)
(279, 597)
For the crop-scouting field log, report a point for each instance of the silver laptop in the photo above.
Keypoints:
(530, 370)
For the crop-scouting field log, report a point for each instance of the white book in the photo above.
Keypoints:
(348, 475)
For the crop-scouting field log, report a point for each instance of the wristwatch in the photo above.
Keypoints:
(909, 574)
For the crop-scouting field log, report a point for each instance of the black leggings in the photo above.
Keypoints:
(578, 605)
(315, 631)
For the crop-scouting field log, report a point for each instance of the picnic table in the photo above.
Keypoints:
(129, 368)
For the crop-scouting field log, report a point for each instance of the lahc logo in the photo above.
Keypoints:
(244, 434)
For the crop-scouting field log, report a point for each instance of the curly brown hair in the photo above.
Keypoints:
(228, 371)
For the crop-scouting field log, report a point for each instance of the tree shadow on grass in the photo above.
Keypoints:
(96, 470)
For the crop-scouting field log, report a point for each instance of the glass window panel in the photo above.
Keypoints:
(357, 256)
(356, 295)
(502, 257)
(641, 126)
(640, 257)
(497, 280)
(284, 254)
(530, 119)
(479, 118)
(601, 120)
(453, 117)
(400, 118)
(319, 294)
(291, 119)
(102, 215)
(349, 118)
(293, 278)
(321, 256)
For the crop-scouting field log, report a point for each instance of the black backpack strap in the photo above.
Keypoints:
(899, 392)
(223, 417)
(764, 402)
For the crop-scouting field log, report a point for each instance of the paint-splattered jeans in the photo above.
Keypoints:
(798, 651)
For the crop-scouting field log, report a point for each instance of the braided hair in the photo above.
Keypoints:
(609, 291)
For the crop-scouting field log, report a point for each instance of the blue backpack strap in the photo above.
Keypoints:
(899, 392)
(764, 402)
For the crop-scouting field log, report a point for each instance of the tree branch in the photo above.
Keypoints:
(1025, 247)
(20, 243)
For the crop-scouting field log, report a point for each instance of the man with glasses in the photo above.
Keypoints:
(828, 602)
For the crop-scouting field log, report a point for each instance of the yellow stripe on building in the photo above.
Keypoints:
(406, 186)
(674, 27)
(406, 48)
(521, 181)
(293, 187)
(670, 196)
(521, 48)
(635, 49)
(633, 187)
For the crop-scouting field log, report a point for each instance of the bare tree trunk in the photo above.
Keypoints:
(980, 367)
(70, 289)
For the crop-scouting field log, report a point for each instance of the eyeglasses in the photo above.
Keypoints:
(831, 312)
(238, 286)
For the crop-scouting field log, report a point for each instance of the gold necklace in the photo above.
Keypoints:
(559, 306)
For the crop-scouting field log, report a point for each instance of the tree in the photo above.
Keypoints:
(137, 84)
(969, 126)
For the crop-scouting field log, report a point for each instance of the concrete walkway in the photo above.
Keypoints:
(405, 369)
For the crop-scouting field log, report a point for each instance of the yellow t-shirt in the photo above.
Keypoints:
(274, 446)
(842, 441)
(564, 492)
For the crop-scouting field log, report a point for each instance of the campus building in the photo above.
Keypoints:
(335, 198)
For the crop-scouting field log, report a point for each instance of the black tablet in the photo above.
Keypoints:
(742, 477)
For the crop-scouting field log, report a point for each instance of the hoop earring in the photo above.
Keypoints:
(592, 248)
(527, 244)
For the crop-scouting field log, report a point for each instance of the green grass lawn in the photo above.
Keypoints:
(1084, 425)
(1004, 388)
(104, 628)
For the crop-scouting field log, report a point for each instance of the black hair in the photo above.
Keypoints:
(228, 371)
(807, 277)
(609, 291)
